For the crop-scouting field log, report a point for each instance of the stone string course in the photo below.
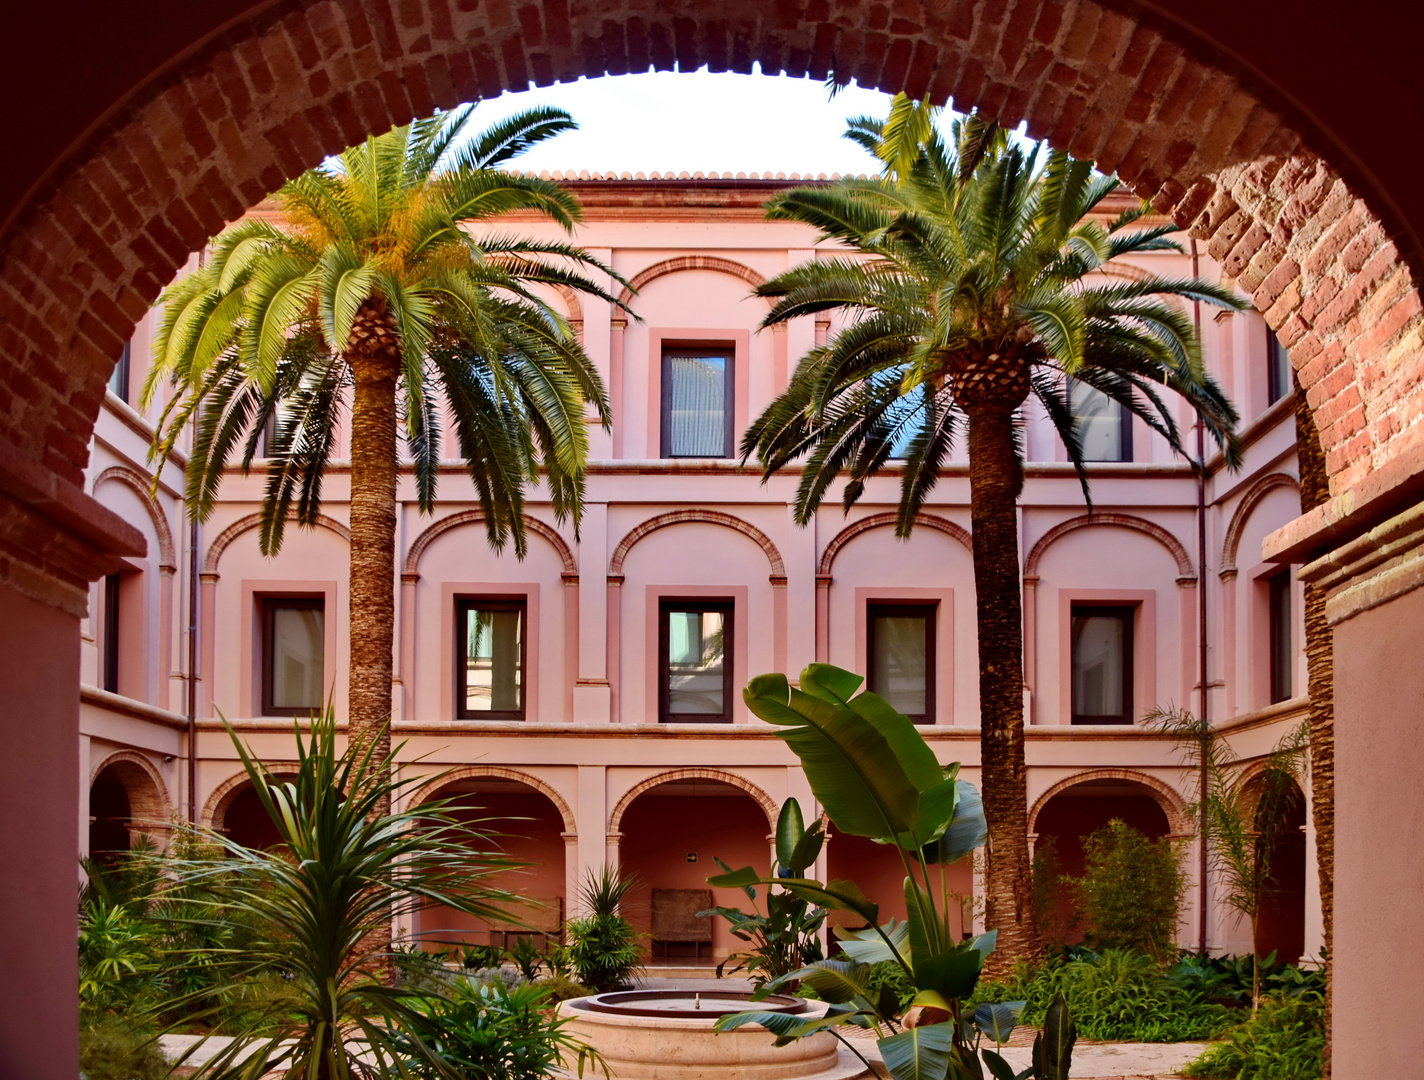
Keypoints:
(276, 94)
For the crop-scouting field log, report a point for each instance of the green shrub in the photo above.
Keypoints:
(1048, 879)
(492, 1033)
(1115, 996)
(1284, 1041)
(560, 987)
(1131, 891)
(603, 946)
(112, 1050)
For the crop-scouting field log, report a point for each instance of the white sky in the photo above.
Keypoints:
(670, 121)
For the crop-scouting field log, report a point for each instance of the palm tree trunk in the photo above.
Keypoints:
(1008, 877)
(374, 354)
(1319, 660)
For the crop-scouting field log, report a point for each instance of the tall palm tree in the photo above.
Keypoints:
(371, 288)
(967, 289)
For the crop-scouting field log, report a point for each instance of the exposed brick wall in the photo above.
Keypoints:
(275, 94)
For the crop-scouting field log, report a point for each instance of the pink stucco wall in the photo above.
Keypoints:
(591, 734)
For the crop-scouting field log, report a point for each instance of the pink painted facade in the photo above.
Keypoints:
(590, 765)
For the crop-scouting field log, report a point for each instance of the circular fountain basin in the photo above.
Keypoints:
(668, 1035)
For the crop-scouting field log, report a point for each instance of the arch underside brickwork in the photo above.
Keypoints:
(220, 798)
(432, 788)
(762, 799)
(275, 94)
(149, 804)
(1162, 793)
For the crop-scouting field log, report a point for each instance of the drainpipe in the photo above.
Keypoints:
(192, 670)
(1201, 623)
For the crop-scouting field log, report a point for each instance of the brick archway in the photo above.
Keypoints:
(1185, 570)
(220, 798)
(762, 799)
(1257, 491)
(251, 521)
(429, 790)
(689, 262)
(1162, 793)
(879, 521)
(139, 485)
(704, 517)
(275, 93)
(474, 517)
(149, 804)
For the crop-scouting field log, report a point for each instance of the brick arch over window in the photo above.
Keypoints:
(216, 805)
(765, 801)
(276, 91)
(1174, 546)
(1166, 796)
(1254, 494)
(475, 772)
(473, 517)
(251, 521)
(706, 517)
(149, 803)
(574, 307)
(138, 483)
(689, 262)
(879, 521)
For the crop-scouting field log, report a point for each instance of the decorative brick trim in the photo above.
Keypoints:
(1185, 572)
(765, 801)
(139, 484)
(430, 789)
(575, 309)
(1254, 494)
(1167, 797)
(689, 262)
(251, 521)
(706, 517)
(474, 517)
(216, 805)
(876, 521)
(149, 803)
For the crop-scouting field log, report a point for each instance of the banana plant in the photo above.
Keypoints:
(875, 776)
(785, 937)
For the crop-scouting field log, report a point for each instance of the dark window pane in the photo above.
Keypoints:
(1282, 687)
(119, 377)
(1104, 429)
(1102, 665)
(1278, 372)
(694, 647)
(493, 677)
(109, 637)
(295, 657)
(697, 398)
(900, 661)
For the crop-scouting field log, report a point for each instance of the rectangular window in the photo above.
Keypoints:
(119, 377)
(1279, 592)
(900, 641)
(1102, 664)
(695, 661)
(293, 655)
(1279, 381)
(697, 402)
(1104, 426)
(491, 660)
(109, 638)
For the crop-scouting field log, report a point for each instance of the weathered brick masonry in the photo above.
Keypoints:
(275, 95)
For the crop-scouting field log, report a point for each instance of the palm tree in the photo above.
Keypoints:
(373, 288)
(967, 289)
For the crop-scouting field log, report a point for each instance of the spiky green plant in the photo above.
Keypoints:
(321, 903)
(967, 286)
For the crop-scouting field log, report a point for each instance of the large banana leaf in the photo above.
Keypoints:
(869, 947)
(867, 765)
(840, 895)
(998, 1019)
(968, 830)
(920, 1053)
(836, 981)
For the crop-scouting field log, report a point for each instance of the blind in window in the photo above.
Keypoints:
(697, 417)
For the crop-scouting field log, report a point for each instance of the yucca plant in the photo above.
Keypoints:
(603, 946)
(373, 287)
(320, 905)
(967, 285)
